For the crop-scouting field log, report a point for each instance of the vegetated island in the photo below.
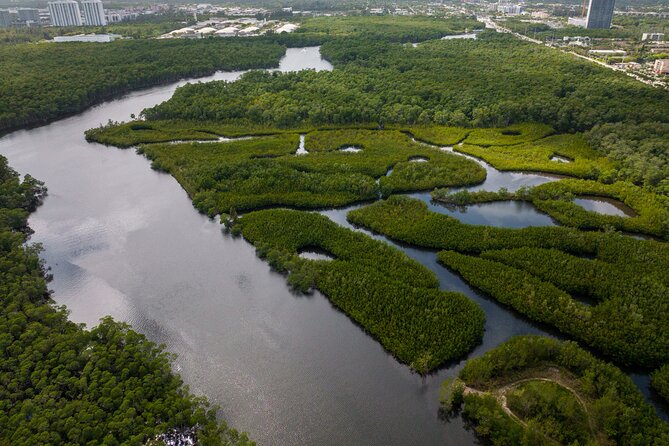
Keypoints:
(533, 390)
(61, 383)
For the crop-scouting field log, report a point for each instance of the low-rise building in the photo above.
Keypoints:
(608, 52)
(287, 28)
(207, 30)
(577, 41)
(249, 30)
(98, 38)
(661, 66)
(540, 15)
(577, 21)
(229, 31)
(652, 37)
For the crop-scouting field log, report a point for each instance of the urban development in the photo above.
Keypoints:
(327, 222)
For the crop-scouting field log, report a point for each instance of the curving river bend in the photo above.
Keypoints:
(124, 240)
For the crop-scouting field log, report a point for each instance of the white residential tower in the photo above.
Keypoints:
(65, 13)
(94, 13)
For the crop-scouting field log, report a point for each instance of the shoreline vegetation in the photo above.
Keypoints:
(263, 171)
(62, 383)
(95, 73)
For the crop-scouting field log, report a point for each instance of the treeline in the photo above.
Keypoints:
(444, 82)
(626, 322)
(538, 156)
(42, 82)
(614, 409)
(394, 298)
(389, 28)
(62, 384)
(660, 381)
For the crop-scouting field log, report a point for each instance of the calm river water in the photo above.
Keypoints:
(124, 240)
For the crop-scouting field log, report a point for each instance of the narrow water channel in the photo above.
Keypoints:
(124, 240)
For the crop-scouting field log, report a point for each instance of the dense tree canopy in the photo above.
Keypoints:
(45, 81)
(257, 171)
(492, 80)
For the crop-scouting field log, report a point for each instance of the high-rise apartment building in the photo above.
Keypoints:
(65, 13)
(509, 9)
(94, 13)
(28, 15)
(600, 14)
(6, 18)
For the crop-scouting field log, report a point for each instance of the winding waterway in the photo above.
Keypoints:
(124, 240)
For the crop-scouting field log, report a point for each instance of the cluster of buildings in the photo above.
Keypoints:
(72, 13)
(58, 13)
(229, 11)
(652, 37)
(599, 13)
(243, 27)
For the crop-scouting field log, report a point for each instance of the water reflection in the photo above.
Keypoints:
(606, 206)
(503, 214)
